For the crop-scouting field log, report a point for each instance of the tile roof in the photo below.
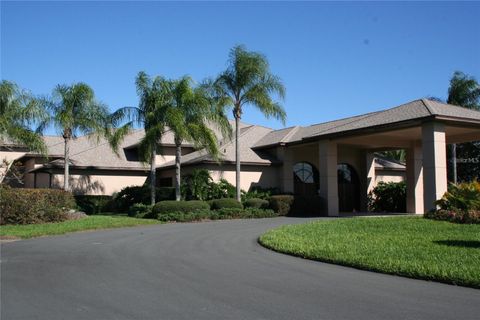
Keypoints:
(248, 138)
(417, 109)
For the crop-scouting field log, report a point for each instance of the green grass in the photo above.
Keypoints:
(405, 246)
(89, 223)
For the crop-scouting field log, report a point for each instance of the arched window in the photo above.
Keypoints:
(306, 181)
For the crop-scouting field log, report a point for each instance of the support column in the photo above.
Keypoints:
(415, 178)
(287, 171)
(370, 158)
(328, 176)
(434, 163)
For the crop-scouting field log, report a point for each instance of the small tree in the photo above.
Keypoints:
(247, 81)
(191, 116)
(154, 108)
(76, 111)
(19, 111)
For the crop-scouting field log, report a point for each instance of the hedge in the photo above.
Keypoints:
(388, 197)
(171, 206)
(140, 210)
(91, 204)
(256, 203)
(281, 204)
(129, 196)
(28, 206)
(217, 204)
(226, 213)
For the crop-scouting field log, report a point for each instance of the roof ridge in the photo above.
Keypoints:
(290, 134)
(427, 105)
(357, 118)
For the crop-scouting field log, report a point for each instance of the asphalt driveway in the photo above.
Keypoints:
(213, 270)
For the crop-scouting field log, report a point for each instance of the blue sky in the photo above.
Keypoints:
(336, 59)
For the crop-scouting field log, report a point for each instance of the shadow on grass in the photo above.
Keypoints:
(459, 243)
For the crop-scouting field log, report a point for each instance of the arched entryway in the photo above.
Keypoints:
(306, 179)
(348, 188)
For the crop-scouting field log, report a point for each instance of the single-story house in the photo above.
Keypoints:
(336, 160)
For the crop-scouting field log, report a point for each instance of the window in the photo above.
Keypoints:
(304, 172)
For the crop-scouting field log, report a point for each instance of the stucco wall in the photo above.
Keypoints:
(93, 183)
(263, 176)
(389, 176)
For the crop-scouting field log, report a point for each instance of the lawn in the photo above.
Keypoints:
(89, 223)
(406, 246)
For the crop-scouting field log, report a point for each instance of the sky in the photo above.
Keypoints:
(335, 59)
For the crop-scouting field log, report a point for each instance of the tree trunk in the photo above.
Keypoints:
(237, 157)
(66, 174)
(454, 162)
(178, 157)
(153, 174)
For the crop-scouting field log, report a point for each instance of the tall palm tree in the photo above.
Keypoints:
(19, 110)
(248, 82)
(76, 111)
(156, 96)
(191, 116)
(464, 91)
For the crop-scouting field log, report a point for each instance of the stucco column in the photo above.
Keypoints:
(415, 178)
(328, 176)
(287, 173)
(434, 163)
(370, 159)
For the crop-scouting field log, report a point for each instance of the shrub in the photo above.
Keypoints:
(129, 196)
(281, 204)
(225, 213)
(256, 203)
(27, 206)
(259, 193)
(94, 204)
(222, 189)
(460, 204)
(388, 197)
(225, 203)
(170, 206)
(199, 185)
(140, 210)
(464, 196)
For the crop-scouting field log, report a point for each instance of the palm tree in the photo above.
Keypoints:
(156, 96)
(464, 91)
(19, 110)
(76, 111)
(248, 82)
(190, 118)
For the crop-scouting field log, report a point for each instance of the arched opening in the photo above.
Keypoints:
(348, 188)
(306, 179)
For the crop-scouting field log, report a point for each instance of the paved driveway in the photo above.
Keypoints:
(204, 271)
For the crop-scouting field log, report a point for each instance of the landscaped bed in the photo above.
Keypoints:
(406, 246)
(88, 223)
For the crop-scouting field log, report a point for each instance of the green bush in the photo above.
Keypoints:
(256, 203)
(259, 193)
(225, 203)
(388, 197)
(169, 206)
(28, 206)
(94, 204)
(140, 210)
(225, 213)
(199, 185)
(129, 196)
(460, 204)
(281, 204)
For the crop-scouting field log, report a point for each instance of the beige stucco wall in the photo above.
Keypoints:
(262, 176)
(98, 184)
(389, 176)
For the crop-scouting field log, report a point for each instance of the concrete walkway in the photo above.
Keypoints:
(213, 270)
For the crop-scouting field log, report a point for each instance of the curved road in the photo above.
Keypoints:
(213, 270)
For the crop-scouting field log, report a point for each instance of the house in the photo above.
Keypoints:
(336, 159)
